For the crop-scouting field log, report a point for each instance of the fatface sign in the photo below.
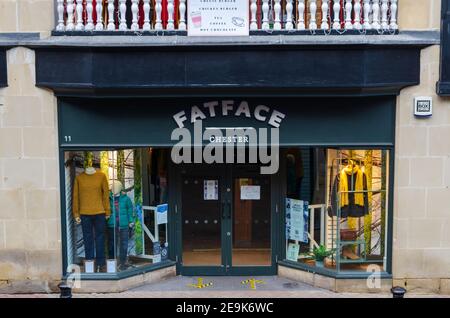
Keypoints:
(229, 108)
(222, 142)
(218, 18)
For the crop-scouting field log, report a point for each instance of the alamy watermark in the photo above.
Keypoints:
(374, 279)
(73, 279)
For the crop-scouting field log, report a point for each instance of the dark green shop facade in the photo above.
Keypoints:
(121, 112)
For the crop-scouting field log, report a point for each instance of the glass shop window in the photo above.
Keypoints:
(336, 208)
(116, 209)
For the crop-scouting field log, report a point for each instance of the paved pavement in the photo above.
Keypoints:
(226, 287)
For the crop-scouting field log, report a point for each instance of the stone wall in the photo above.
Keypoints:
(419, 14)
(27, 16)
(30, 239)
(422, 190)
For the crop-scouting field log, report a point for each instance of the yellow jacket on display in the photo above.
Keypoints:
(90, 195)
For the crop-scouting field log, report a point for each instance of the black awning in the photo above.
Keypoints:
(203, 70)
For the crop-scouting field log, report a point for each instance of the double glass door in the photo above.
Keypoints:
(226, 221)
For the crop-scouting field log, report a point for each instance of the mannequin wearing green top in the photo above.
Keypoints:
(119, 223)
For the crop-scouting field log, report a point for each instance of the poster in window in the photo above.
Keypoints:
(161, 213)
(210, 190)
(297, 215)
(292, 252)
(249, 192)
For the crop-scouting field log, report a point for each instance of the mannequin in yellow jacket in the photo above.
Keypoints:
(91, 208)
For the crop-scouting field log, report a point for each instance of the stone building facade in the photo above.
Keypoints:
(30, 212)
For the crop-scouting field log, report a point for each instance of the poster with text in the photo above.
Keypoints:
(161, 213)
(297, 216)
(250, 192)
(218, 18)
(292, 252)
(211, 190)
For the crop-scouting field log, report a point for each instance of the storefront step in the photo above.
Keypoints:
(120, 285)
(338, 285)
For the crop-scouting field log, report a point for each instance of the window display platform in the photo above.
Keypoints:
(120, 285)
(338, 285)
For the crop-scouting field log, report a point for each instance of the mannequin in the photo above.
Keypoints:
(119, 224)
(90, 207)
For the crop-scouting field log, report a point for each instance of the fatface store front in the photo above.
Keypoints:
(217, 178)
(228, 171)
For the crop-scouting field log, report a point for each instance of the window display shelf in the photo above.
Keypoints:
(342, 243)
(362, 257)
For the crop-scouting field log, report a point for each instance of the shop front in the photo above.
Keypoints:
(215, 178)
(210, 182)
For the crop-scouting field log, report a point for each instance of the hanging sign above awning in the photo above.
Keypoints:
(218, 18)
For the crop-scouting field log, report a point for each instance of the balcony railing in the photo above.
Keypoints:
(291, 16)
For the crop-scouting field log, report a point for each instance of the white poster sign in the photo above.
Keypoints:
(250, 192)
(292, 252)
(297, 215)
(156, 258)
(218, 17)
(161, 213)
(211, 190)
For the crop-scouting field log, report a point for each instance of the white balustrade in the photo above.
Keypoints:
(348, 15)
(146, 7)
(170, 13)
(89, 11)
(60, 9)
(123, 15)
(265, 15)
(111, 25)
(313, 12)
(253, 21)
(158, 10)
(289, 8)
(367, 9)
(182, 23)
(384, 14)
(301, 15)
(324, 25)
(277, 13)
(357, 14)
(336, 14)
(79, 10)
(394, 7)
(376, 15)
(70, 26)
(99, 10)
(78, 15)
(134, 15)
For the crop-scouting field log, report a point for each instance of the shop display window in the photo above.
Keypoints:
(336, 208)
(116, 209)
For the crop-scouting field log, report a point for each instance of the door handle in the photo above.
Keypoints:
(226, 210)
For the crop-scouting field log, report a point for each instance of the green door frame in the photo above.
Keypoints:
(225, 172)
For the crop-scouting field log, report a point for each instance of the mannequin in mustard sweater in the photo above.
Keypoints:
(90, 207)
